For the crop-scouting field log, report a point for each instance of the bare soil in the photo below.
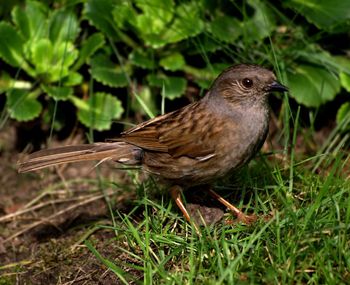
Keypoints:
(46, 216)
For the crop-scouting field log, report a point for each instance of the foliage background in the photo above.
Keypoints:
(106, 58)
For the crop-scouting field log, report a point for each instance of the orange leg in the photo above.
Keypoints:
(247, 219)
(175, 192)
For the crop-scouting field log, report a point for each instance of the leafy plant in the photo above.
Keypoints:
(42, 43)
(161, 36)
(154, 46)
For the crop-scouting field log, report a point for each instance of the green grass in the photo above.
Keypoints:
(306, 242)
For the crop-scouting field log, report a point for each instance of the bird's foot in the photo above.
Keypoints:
(246, 219)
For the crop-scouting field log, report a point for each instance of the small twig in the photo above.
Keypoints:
(33, 225)
(16, 264)
(41, 205)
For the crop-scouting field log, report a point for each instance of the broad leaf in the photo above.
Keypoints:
(225, 28)
(313, 54)
(73, 79)
(99, 13)
(58, 92)
(156, 15)
(64, 26)
(261, 24)
(324, 14)
(345, 80)
(205, 42)
(99, 111)
(22, 106)
(173, 62)
(142, 59)
(106, 72)
(11, 45)
(42, 53)
(31, 20)
(53, 62)
(88, 48)
(344, 113)
(187, 24)
(174, 86)
(205, 76)
(312, 86)
(124, 13)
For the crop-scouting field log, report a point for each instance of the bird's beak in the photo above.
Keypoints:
(276, 86)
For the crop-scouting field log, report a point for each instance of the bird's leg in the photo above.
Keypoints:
(247, 219)
(175, 192)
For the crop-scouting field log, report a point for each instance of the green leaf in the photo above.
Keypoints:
(53, 61)
(99, 13)
(31, 20)
(312, 86)
(58, 92)
(324, 14)
(73, 79)
(88, 48)
(225, 28)
(173, 62)
(65, 54)
(313, 54)
(11, 45)
(161, 23)
(106, 72)
(42, 53)
(187, 24)
(64, 26)
(343, 112)
(205, 42)
(142, 59)
(345, 80)
(7, 83)
(124, 13)
(20, 18)
(174, 86)
(261, 24)
(98, 111)
(156, 15)
(22, 106)
(205, 76)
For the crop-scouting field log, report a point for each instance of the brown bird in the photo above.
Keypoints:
(194, 145)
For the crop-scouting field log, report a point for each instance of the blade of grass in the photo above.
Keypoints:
(112, 266)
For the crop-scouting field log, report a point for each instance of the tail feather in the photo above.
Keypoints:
(117, 151)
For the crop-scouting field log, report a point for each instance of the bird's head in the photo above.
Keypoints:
(245, 83)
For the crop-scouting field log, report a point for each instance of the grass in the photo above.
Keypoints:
(306, 242)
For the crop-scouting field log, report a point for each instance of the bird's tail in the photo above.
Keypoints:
(117, 151)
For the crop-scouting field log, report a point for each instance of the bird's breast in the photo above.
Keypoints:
(244, 137)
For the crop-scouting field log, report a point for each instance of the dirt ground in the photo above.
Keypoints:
(45, 218)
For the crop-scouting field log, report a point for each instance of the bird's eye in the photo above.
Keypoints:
(248, 83)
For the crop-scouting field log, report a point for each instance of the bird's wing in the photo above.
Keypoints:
(185, 132)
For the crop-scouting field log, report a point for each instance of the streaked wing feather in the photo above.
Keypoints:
(177, 133)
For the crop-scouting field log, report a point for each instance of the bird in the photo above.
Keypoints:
(192, 146)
